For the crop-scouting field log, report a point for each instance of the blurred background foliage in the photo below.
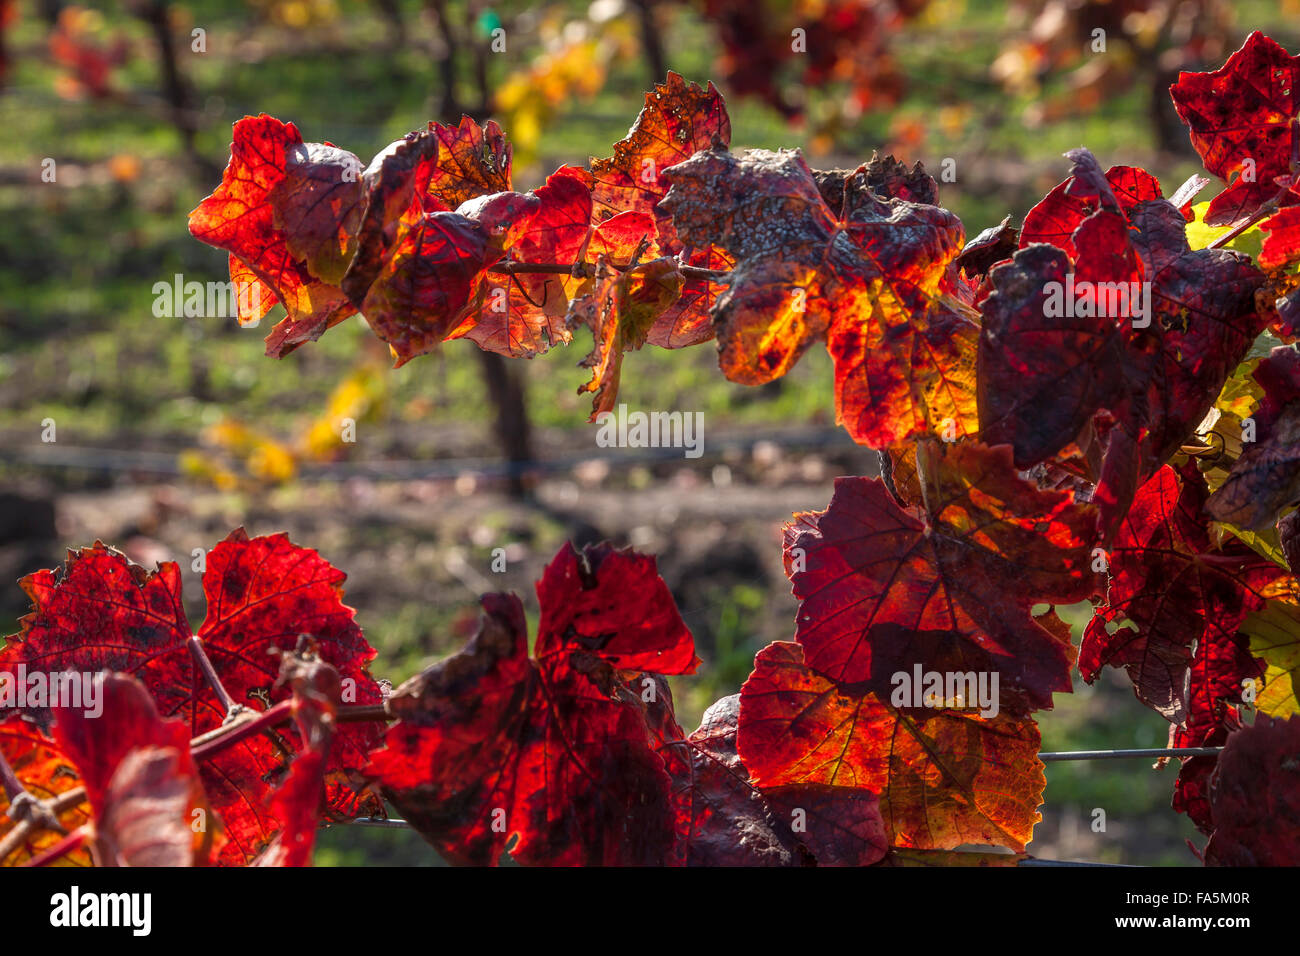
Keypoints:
(173, 430)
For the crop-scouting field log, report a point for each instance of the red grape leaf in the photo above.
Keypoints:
(432, 278)
(523, 315)
(1255, 796)
(497, 750)
(1057, 215)
(397, 194)
(764, 210)
(1221, 664)
(137, 772)
(833, 826)
(871, 282)
(418, 269)
(46, 772)
(612, 603)
(944, 777)
(1281, 245)
(256, 300)
(882, 588)
(721, 818)
(1041, 377)
(1045, 374)
(926, 378)
(1266, 478)
(146, 818)
(1240, 121)
(678, 120)
(686, 321)
(1180, 591)
(239, 217)
(724, 820)
(99, 612)
(472, 161)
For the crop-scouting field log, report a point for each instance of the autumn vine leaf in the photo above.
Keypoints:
(869, 285)
(723, 819)
(1266, 478)
(944, 777)
(1221, 670)
(318, 207)
(1179, 591)
(950, 585)
(139, 777)
(523, 314)
(471, 161)
(497, 750)
(678, 120)
(1274, 633)
(240, 217)
(1240, 118)
(1256, 797)
(432, 278)
(1130, 373)
(99, 612)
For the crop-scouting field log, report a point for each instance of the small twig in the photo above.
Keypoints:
(1262, 212)
(12, 785)
(201, 658)
(227, 735)
(55, 807)
(23, 807)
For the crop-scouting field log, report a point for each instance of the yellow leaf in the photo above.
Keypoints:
(1275, 636)
(1199, 235)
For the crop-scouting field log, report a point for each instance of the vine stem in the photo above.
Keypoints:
(214, 681)
(511, 267)
(227, 735)
(12, 785)
(1261, 213)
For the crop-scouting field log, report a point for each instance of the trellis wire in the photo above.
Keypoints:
(111, 460)
(394, 823)
(1121, 754)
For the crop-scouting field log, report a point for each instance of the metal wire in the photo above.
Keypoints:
(396, 824)
(1122, 754)
(90, 458)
